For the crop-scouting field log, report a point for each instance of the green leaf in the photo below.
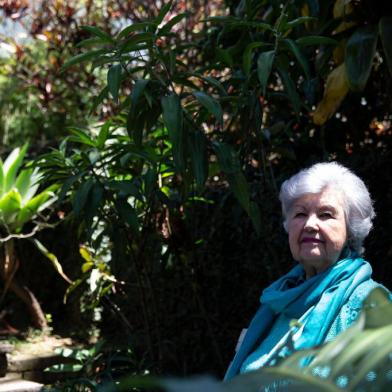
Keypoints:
(172, 22)
(197, 146)
(80, 136)
(299, 56)
(385, 30)
(211, 104)
(90, 42)
(360, 52)
(162, 13)
(212, 81)
(72, 287)
(98, 33)
(1, 177)
(125, 188)
(114, 80)
(23, 181)
(247, 57)
(98, 99)
(299, 21)
(132, 43)
(135, 27)
(290, 89)
(103, 134)
(127, 214)
(173, 119)
(137, 91)
(11, 166)
(82, 57)
(86, 254)
(229, 164)
(224, 56)
(81, 196)
(264, 67)
(92, 206)
(10, 205)
(315, 40)
(53, 259)
(33, 206)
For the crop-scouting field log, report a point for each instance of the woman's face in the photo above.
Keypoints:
(317, 230)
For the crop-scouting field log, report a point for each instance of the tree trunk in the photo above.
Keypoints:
(8, 267)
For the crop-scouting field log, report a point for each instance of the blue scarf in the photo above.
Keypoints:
(326, 293)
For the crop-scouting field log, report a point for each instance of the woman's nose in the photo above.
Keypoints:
(311, 223)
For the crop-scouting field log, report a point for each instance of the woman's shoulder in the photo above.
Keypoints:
(362, 291)
(350, 311)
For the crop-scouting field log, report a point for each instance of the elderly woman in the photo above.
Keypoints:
(327, 213)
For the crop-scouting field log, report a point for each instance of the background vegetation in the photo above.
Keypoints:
(168, 129)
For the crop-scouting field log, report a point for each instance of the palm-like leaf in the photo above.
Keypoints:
(18, 200)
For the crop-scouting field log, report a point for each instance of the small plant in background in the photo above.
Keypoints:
(89, 369)
(20, 207)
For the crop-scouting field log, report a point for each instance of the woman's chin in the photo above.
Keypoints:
(315, 260)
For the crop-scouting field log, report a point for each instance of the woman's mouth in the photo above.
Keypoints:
(311, 240)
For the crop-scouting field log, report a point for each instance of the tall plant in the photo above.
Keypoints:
(234, 107)
(21, 206)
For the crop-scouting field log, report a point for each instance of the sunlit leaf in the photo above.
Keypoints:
(23, 181)
(31, 208)
(162, 13)
(103, 134)
(81, 136)
(10, 204)
(11, 166)
(165, 29)
(53, 259)
(335, 90)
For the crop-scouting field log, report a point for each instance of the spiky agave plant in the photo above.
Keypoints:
(21, 204)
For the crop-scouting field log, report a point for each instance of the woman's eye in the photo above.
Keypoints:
(299, 214)
(326, 215)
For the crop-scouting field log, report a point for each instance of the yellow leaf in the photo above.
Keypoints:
(335, 90)
(341, 9)
(339, 51)
(85, 254)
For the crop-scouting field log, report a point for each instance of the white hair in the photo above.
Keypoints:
(357, 203)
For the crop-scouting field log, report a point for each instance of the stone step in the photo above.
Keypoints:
(14, 385)
(31, 367)
(30, 362)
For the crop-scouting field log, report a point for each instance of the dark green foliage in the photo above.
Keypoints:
(175, 189)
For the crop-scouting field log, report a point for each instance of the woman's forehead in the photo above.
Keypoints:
(328, 199)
